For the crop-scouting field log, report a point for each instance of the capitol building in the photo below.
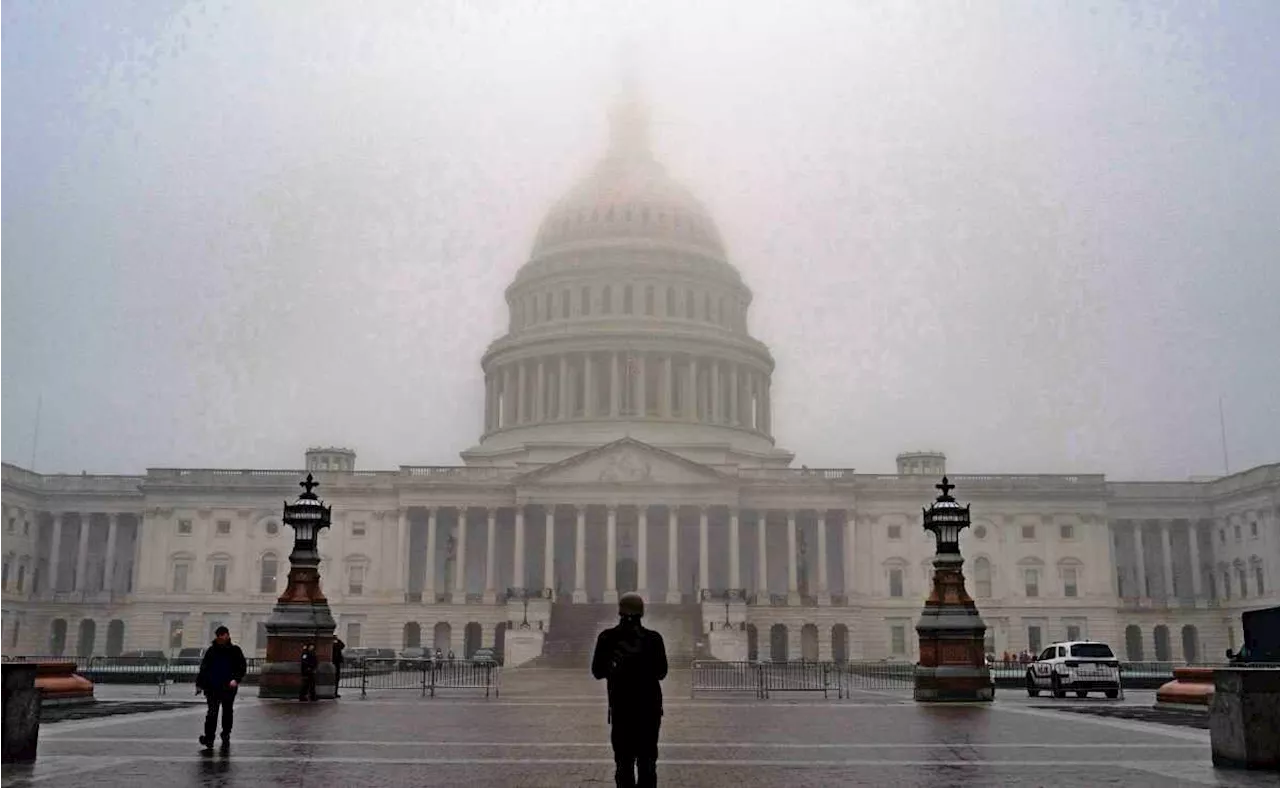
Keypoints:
(628, 444)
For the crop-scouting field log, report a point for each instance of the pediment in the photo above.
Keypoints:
(627, 461)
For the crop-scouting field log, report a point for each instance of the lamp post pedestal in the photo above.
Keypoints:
(953, 665)
(301, 615)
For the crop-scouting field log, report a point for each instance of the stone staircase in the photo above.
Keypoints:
(571, 635)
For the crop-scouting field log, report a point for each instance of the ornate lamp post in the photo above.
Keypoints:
(301, 614)
(952, 664)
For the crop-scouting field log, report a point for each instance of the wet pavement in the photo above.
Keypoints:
(548, 728)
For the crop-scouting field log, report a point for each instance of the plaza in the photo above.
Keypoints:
(549, 729)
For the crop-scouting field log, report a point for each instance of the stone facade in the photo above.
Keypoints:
(627, 442)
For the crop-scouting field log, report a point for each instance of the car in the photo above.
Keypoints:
(414, 658)
(484, 656)
(1079, 666)
(188, 656)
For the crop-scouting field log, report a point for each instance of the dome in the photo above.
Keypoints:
(629, 198)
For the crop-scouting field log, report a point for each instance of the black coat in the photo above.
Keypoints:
(338, 646)
(633, 660)
(308, 663)
(220, 666)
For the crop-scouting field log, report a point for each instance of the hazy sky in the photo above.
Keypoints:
(1038, 236)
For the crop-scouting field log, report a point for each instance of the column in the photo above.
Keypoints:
(540, 401)
(615, 391)
(691, 393)
(849, 528)
(734, 416)
(109, 567)
(508, 397)
(522, 400)
(429, 574)
(704, 576)
(460, 561)
(580, 559)
(490, 557)
(793, 586)
(1141, 558)
(402, 565)
(82, 552)
(762, 558)
(665, 399)
(641, 405)
(735, 568)
(1193, 540)
(642, 568)
(611, 554)
(564, 389)
(673, 564)
(717, 414)
(824, 590)
(588, 386)
(517, 572)
(1166, 553)
(549, 550)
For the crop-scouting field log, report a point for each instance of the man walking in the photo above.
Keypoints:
(222, 668)
(338, 646)
(633, 660)
(308, 668)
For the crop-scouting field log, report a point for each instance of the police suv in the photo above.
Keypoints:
(1079, 666)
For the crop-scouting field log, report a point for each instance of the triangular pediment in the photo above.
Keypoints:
(625, 461)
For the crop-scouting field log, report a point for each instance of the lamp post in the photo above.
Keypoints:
(952, 665)
(301, 615)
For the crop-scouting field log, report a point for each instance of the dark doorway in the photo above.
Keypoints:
(628, 573)
(778, 643)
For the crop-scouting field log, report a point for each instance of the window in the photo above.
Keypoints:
(184, 527)
(355, 579)
(648, 300)
(895, 532)
(1031, 581)
(353, 634)
(1033, 638)
(1069, 588)
(1067, 532)
(260, 636)
(671, 302)
(586, 301)
(175, 633)
(224, 527)
(1236, 528)
(550, 305)
(1222, 535)
(1091, 650)
(1226, 584)
(895, 582)
(564, 304)
(1073, 633)
(980, 531)
(22, 576)
(1028, 532)
(357, 529)
(898, 639)
(13, 522)
(219, 578)
(688, 304)
(267, 580)
(606, 300)
(26, 527)
(982, 577)
(1253, 529)
(1244, 588)
(273, 528)
(180, 572)
(1257, 575)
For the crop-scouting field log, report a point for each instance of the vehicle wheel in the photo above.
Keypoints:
(1113, 694)
(1081, 694)
(1058, 691)
(1031, 687)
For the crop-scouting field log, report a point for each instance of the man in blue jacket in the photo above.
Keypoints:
(221, 670)
(634, 661)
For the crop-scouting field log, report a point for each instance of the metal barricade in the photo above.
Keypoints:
(462, 674)
(795, 677)
(715, 676)
(873, 675)
(424, 675)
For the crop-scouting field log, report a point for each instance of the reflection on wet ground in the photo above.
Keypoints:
(549, 729)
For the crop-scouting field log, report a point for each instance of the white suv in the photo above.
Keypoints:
(1079, 666)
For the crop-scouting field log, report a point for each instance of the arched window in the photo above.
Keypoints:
(1163, 652)
(982, 577)
(688, 304)
(706, 307)
(627, 307)
(564, 305)
(219, 572)
(268, 574)
(1243, 577)
(57, 636)
(549, 303)
(606, 300)
(1190, 645)
(87, 635)
(809, 643)
(412, 635)
(671, 302)
(586, 301)
(180, 572)
(839, 643)
(648, 300)
(1133, 643)
(1258, 575)
(115, 637)
(778, 643)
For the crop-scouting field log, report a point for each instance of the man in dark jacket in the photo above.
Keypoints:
(633, 660)
(222, 668)
(338, 646)
(308, 666)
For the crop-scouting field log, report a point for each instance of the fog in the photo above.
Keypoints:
(1040, 237)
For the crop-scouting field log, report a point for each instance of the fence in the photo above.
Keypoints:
(425, 676)
(142, 670)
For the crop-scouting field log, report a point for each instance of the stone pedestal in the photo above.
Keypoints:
(1244, 718)
(21, 712)
(952, 664)
(59, 684)
(1190, 690)
(521, 646)
(728, 645)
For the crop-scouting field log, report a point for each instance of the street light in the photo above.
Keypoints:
(945, 519)
(308, 516)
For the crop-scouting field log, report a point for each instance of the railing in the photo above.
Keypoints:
(424, 675)
(763, 678)
(458, 471)
(712, 676)
(142, 670)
